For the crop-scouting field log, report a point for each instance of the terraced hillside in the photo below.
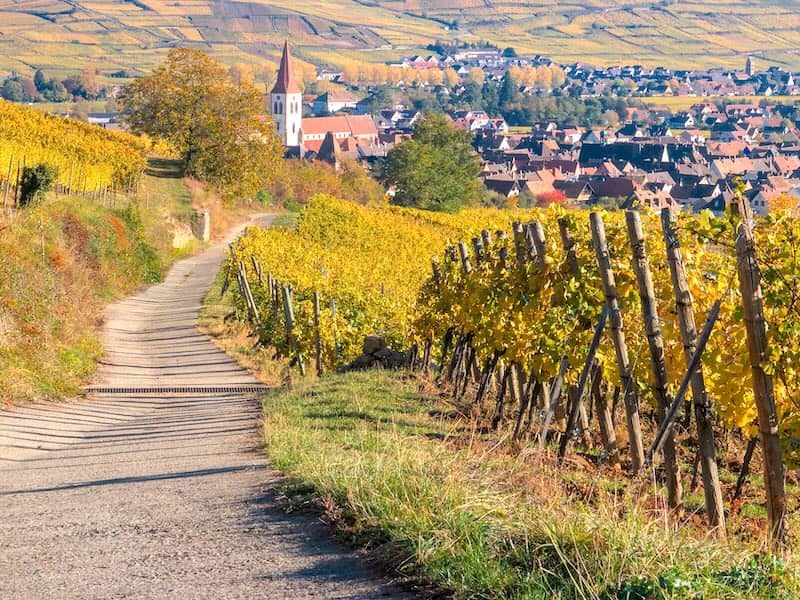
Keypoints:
(63, 35)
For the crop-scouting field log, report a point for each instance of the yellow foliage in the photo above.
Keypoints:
(375, 263)
(95, 157)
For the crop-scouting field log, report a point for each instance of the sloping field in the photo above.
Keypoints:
(62, 35)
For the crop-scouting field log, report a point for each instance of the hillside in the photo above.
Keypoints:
(63, 35)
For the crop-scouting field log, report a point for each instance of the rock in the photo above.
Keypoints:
(391, 359)
(373, 344)
(376, 355)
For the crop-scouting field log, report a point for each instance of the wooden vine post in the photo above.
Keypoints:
(8, 179)
(712, 490)
(317, 335)
(288, 318)
(630, 398)
(655, 342)
(752, 304)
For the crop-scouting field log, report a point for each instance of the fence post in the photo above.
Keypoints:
(618, 336)
(712, 490)
(752, 304)
(655, 342)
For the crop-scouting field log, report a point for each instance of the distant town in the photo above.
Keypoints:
(545, 133)
(652, 157)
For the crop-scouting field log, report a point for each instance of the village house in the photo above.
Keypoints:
(333, 102)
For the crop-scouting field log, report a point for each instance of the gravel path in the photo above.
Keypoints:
(155, 496)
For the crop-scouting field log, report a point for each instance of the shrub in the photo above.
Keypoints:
(36, 181)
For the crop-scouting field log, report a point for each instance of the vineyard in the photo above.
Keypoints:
(88, 159)
(537, 331)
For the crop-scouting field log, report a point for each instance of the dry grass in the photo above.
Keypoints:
(399, 470)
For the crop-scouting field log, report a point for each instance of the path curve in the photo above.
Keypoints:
(154, 496)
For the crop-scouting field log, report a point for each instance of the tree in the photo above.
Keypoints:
(435, 77)
(55, 92)
(88, 79)
(29, 92)
(242, 74)
(192, 102)
(12, 91)
(510, 53)
(477, 75)
(548, 198)
(436, 170)
(450, 77)
(509, 90)
(39, 80)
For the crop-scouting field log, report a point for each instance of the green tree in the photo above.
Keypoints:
(509, 91)
(55, 92)
(12, 91)
(39, 80)
(436, 170)
(214, 121)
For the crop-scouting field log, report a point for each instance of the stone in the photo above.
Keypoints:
(373, 344)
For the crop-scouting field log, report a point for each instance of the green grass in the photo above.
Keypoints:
(437, 503)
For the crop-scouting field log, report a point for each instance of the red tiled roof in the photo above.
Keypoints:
(354, 125)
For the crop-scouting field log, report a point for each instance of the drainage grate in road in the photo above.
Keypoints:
(180, 389)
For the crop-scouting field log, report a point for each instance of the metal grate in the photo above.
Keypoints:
(180, 389)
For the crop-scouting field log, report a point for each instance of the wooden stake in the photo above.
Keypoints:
(537, 233)
(582, 382)
(655, 342)
(630, 396)
(8, 180)
(568, 243)
(288, 318)
(607, 433)
(519, 243)
(672, 412)
(745, 470)
(555, 395)
(464, 254)
(317, 335)
(752, 304)
(703, 406)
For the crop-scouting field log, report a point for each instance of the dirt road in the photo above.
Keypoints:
(158, 495)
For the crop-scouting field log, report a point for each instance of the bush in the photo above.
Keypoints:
(36, 181)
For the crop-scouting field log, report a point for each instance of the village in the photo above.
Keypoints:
(690, 160)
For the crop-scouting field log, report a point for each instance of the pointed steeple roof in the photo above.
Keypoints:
(286, 83)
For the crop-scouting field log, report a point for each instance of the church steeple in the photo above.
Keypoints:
(286, 83)
(287, 102)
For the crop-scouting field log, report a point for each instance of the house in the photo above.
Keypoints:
(332, 102)
(613, 187)
(575, 191)
(505, 185)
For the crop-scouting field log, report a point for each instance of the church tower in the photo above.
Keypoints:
(286, 102)
(748, 66)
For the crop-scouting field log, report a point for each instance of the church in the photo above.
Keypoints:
(302, 135)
